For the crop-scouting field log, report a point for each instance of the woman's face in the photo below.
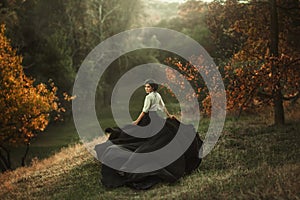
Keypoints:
(148, 88)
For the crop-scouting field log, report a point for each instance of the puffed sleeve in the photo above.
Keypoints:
(147, 104)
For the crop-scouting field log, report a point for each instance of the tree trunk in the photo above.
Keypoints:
(5, 163)
(25, 155)
(277, 96)
(278, 109)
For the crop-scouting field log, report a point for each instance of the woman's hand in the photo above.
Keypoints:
(139, 118)
(135, 122)
(172, 116)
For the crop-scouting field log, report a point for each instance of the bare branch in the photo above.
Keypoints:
(264, 95)
(250, 96)
(28, 66)
(292, 98)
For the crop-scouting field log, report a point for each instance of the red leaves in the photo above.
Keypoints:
(192, 75)
(253, 85)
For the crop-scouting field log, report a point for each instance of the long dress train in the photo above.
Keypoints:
(185, 164)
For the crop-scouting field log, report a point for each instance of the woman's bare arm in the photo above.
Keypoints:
(168, 114)
(139, 118)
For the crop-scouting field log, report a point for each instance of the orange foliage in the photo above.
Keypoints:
(189, 72)
(252, 86)
(25, 107)
(192, 74)
(254, 76)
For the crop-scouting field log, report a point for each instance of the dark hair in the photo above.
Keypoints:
(152, 83)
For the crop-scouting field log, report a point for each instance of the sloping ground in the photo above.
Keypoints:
(250, 161)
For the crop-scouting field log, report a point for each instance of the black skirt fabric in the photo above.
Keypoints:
(155, 136)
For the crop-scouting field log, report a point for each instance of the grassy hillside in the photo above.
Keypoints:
(250, 161)
(47, 143)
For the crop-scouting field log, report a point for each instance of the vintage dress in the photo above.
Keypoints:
(187, 162)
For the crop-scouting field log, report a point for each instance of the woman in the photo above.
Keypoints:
(153, 102)
(152, 133)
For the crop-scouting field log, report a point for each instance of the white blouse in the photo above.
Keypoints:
(153, 102)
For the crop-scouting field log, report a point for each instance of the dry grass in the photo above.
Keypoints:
(250, 161)
(27, 180)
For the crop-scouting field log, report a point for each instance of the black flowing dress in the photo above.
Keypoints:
(187, 162)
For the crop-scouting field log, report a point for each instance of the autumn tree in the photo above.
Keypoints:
(192, 72)
(25, 107)
(55, 36)
(259, 52)
(219, 17)
(264, 70)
